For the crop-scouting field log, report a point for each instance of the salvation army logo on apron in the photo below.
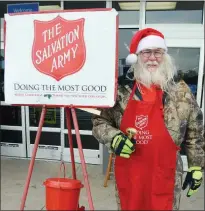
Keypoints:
(143, 135)
(141, 121)
(58, 48)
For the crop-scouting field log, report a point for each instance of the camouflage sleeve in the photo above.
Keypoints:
(104, 128)
(194, 144)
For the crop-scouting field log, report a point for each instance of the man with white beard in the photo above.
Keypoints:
(154, 113)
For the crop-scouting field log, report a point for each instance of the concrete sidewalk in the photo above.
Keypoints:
(13, 177)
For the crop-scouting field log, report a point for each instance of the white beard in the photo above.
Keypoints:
(161, 76)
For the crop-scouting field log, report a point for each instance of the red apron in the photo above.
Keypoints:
(146, 180)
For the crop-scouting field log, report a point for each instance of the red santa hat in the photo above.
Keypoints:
(147, 38)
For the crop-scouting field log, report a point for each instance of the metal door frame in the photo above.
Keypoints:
(54, 152)
(15, 149)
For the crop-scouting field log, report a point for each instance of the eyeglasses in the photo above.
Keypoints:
(148, 53)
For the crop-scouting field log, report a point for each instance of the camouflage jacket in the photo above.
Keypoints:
(182, 115)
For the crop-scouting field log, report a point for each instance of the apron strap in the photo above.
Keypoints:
(160, 99)
(137, 91)
(160, 94)
(133, 92)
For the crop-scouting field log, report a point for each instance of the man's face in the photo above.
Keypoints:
(154, 67)
(151, 58)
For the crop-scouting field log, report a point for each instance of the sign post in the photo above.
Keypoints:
(66, 63)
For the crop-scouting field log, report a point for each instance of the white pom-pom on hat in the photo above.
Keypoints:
(145, 39)
(131, 59)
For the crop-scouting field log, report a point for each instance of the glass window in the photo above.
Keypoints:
(125, 36)
(11, 136)
(84, 4)
(1, 32)
(10, 115)
(84, 120)
(128, 11)
(88, 142)
(52, 118)
(2, 98)
(46, 3)
(202, 94)
(190, 12)
(47, 138)
(187, 62)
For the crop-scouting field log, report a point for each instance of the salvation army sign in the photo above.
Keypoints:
(61, 58)
(57, 51)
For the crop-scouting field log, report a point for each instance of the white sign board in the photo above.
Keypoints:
(62, 58)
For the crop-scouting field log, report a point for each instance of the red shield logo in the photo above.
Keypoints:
(141, 121)
(59, 47)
